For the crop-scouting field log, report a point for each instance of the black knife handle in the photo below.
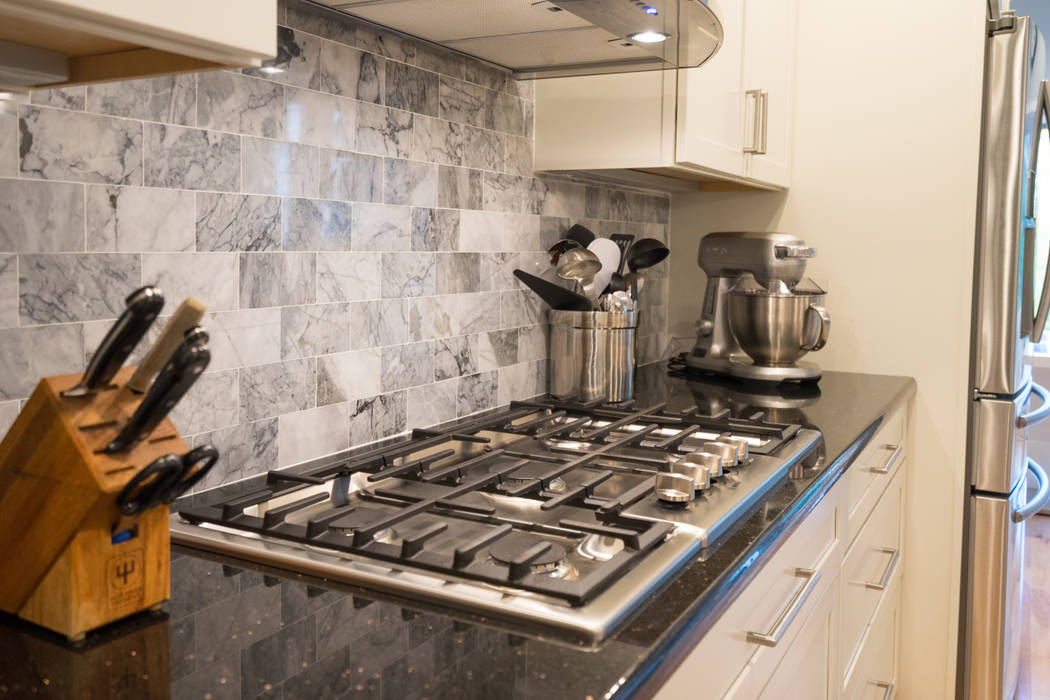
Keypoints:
(186, 364)
(141, 308)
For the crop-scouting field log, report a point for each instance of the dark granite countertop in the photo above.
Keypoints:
(234, 631)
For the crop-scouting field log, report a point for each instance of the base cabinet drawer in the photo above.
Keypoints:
(873, 469)
(875, 677)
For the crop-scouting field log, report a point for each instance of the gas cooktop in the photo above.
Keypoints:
(559, 514)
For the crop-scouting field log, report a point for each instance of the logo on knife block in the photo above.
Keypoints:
(126, 580)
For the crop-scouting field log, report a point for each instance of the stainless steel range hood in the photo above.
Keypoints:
(557, 38)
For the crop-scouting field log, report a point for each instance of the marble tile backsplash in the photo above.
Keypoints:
(351, 216)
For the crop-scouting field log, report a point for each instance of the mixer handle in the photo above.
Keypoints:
(825, 327)
(793, 251)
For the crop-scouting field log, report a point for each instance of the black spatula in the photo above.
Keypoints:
(556, 296)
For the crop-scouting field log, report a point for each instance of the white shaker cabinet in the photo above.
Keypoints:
(725, 124)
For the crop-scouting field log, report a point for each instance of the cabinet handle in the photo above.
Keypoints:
(759, 126)
(888, 687)
(890, 461)
(895, 554)
(770, 638)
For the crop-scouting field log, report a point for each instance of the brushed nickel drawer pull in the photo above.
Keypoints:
(890, 461)
(888, 687)
(759, 125)
(770, 638)
(895, 554)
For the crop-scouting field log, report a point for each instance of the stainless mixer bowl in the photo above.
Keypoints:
(778, 329)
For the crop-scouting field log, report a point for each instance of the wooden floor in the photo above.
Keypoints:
(1034, 683)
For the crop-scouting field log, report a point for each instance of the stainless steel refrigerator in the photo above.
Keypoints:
(1007, 311)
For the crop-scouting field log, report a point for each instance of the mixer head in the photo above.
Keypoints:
(767, 256)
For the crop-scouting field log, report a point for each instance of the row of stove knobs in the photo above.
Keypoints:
(692, 473)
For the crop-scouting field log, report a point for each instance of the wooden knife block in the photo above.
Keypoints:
(59, 565)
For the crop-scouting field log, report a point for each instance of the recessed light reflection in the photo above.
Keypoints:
(648, 37)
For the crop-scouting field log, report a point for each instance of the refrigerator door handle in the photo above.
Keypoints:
(1041, 496)
(1040, 414)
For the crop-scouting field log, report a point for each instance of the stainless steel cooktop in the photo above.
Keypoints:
(564, 515)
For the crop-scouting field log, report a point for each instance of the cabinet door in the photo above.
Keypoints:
(768, 89)
(808, 668)
(710, 126)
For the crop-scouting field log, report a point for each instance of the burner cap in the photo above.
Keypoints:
(532, 471)
(509, 548)
(600, 547)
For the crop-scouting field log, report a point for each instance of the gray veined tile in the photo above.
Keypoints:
(192, 159)
(481, 231)
(308, 435)
(525, 89)
(320, 119)
(227, 222)
(211, 277)
(483, 149)
(432, 404)
(381, 227)
(60, 145)
(132, 219)
(518, 160)
(318, 329)
(521, 381)
(273, 167)
(384, 131)
(478, 312)
(437, 141)
(435, 229)
(477, 392)
(408, 275)
(244, 338)
(347, 376)
(497, 349)
(171, 99)
(503, 192)
(407, 365)
(440, 60)
(316, 224)
(458, 273)
(8, 291)
(211, 405)
(485, 75)
(352, 73)
(521, 232)
(560, 198)
(351, 176)
(455, 357)
(273, 390)
(386, 44)
(8, 413)
(380, 322)
(277, 279)
(530, 120)
(322, 21)
(297, 62)
(8, 138)
(411, 89)
(377, 417)
(459, 188)
(462, 102)
(533, 342)
(348, 276)
(521, 308)
(66, 98)
(27, 354)
(506, 113)
(36, 216)
(75, 287)
(433, 317)
(410, 182)
(245, 105)
(245, 450)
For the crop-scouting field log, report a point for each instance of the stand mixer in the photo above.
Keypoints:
(761, 276)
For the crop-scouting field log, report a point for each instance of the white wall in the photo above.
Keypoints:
(884, 185)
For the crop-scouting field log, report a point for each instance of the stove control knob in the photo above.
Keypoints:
(724, 450)
(711, 463)
(673, 488)
(741, 447)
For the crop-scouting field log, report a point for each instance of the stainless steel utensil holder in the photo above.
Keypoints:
(592, 355)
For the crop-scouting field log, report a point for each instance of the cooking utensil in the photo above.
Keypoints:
(581, 234)
(608, 254)
(776, 330)
(581, 265)
(624, 241)
(188, 315)
(560, 247)
(617, 283)
(557, 297)
(141, 309)
(646, 252)
(165, 479)
(186, 364)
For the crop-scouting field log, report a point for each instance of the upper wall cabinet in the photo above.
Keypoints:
(726, 124)
(68, 42)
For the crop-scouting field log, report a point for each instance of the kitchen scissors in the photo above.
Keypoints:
(165, 479)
